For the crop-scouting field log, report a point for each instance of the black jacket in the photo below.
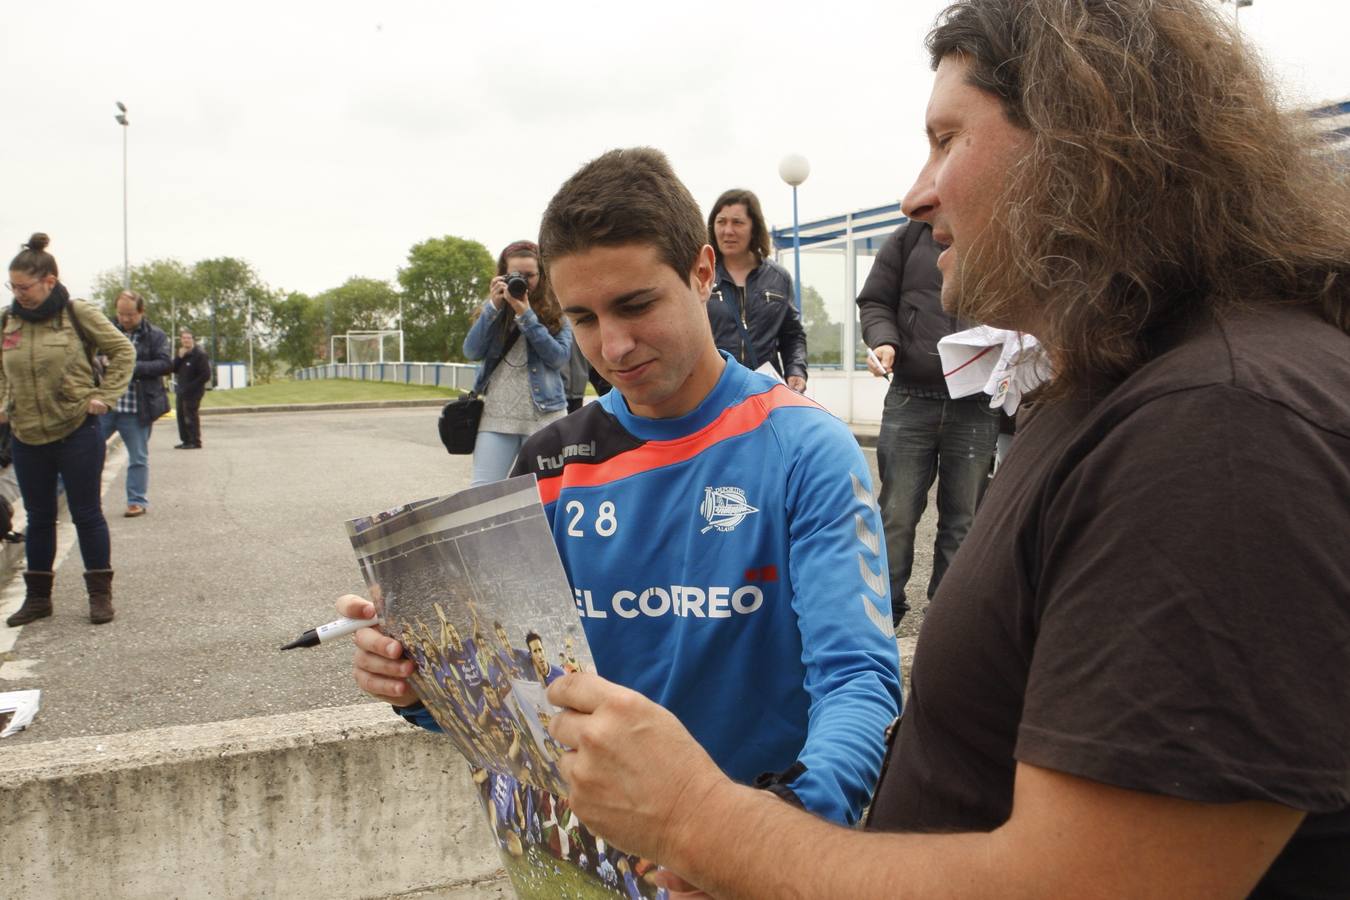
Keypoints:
(153, 362)
(901, 305)
(769, 330)
(193, 373)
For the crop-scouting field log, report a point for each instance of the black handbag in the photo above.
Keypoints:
(458, 424)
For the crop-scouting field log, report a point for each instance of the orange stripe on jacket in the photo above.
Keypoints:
(742, 418)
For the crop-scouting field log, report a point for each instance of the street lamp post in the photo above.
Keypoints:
(122, 120)
(249, 329)
(215, 343)
(793, 169)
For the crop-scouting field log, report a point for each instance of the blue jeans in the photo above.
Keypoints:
(951, 441)
(493, 454)
(78, 460)
(136, 437)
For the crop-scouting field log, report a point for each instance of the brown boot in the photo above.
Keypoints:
(99, 583)
(37, 602)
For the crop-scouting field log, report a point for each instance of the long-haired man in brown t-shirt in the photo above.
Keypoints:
(1135, 678)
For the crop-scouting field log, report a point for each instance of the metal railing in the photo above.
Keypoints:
(452, 375)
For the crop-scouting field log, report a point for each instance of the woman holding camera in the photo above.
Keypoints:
(51, 399)
(524, 342)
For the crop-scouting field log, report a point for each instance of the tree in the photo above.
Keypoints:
(304, 325)
(299, 325)
(167, 285)
(231, 290)
(444, 282)
(360, 304)
(213, 298)
(822, 332)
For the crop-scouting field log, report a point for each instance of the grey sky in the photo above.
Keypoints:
(321, 140)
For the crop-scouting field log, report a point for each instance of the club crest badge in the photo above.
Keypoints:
(724, 508)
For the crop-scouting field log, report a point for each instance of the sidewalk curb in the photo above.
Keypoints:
(865, 435)
(324, 407)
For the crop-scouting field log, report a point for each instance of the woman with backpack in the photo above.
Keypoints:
(51, 391)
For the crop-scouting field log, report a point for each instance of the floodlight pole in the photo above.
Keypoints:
(215, 339)
(250, 340)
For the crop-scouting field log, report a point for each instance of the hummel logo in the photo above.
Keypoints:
(724, 508)
(571, 450)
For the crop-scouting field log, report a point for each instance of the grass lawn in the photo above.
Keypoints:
(326, 390)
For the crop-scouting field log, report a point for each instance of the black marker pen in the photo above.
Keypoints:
(316, 636)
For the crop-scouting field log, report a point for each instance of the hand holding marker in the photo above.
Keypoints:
(341, 628)
(872, 357)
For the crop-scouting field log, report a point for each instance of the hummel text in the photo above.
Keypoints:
(571, 450)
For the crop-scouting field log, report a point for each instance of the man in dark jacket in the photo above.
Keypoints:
(144, 400)
(192, 371)
(925, 434)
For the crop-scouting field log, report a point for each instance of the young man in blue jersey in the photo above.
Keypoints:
(719, 530)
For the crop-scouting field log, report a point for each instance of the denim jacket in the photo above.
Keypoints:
(547, 353)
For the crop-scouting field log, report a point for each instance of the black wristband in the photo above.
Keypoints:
(776, 783)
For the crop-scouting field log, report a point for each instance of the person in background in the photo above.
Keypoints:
(192, 374)
(926, 435)
(575, 378)
(524, 343)
(752, 311)
(52, 398)
(145, 399)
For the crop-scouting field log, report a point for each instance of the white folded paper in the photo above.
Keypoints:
(17, 709)
(1003, 364)
(768, 369)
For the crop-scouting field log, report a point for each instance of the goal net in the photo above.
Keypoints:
(374, 346)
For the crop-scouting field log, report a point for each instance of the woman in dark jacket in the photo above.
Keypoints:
(752, 311)
(51, 398)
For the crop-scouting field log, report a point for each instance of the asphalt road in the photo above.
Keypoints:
(242, 550)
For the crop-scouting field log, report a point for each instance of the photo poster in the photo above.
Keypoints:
(472, 586)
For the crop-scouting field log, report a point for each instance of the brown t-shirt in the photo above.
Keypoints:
(1156, 595)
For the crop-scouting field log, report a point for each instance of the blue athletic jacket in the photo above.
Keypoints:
(729, 564)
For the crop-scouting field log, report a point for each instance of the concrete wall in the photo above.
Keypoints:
(347, 802)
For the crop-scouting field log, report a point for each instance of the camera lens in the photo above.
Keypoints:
(517, 284)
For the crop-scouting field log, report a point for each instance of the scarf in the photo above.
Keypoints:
(54, 303)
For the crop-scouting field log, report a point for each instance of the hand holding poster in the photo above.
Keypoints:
(472, 586)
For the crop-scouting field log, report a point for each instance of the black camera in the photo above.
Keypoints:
(517, 283)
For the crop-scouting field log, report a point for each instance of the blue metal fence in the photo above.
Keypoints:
(451, 375)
